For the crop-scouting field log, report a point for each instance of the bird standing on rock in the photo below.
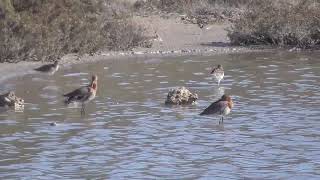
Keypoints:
(48, 68)
(83, 94)
(218, 73)
(221, 107)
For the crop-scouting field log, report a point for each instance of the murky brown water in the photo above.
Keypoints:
(273, 131)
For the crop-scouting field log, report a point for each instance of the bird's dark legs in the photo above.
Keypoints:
(82, 109)
(221, 120)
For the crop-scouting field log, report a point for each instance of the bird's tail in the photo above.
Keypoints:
(68, 100)
(202, 114)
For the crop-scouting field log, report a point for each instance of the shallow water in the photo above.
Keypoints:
(273, 132)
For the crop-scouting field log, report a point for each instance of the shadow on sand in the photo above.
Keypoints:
(217, 44)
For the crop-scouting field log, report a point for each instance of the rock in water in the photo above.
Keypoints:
(180, 96)
(11, 100)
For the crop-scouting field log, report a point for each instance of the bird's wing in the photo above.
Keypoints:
(44, 67)
(214, 108)
(78, 92)
(213, 70)
(217, 70)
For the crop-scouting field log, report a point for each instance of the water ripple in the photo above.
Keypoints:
(128, 132)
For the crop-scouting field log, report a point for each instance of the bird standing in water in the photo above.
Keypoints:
(218, 73)
(221, 107)
(48, 68)
(83, 94)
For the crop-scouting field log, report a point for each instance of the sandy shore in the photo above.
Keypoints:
(172, 37)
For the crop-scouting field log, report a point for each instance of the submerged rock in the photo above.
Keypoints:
(11, 100)
(180, 96)
(53, 124)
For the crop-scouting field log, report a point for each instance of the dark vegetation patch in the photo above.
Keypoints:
(284, 23)
(281, 23)
(201, 12)
(36, 30)
(43, 30)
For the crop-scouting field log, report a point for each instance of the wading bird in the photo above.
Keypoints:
(221, 107)
(83, 94)
(48, 68)
(218, 73)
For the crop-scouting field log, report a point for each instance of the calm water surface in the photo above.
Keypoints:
(273, 131)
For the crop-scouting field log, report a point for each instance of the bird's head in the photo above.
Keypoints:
(228, 99)
(94, 78)
(215, 68)
(94, 82)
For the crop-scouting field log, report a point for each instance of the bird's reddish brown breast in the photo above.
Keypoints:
(94, 86)
(230, 103)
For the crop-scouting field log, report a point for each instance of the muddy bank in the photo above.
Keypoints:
(171, 37)
(10, 70)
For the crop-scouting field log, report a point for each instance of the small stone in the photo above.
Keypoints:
(53, 124)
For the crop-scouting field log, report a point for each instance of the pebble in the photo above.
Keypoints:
(53, 124)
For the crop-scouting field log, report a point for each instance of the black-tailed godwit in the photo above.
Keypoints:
(218, 73)
(48, 68)
(83, 94)
(221, 107)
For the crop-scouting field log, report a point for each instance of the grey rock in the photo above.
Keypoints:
(180, 96)
(11, 100)
(53, 124)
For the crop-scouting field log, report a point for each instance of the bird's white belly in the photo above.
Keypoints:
(218, 76)
(53, 70)
(226, 111)
(89, 98)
